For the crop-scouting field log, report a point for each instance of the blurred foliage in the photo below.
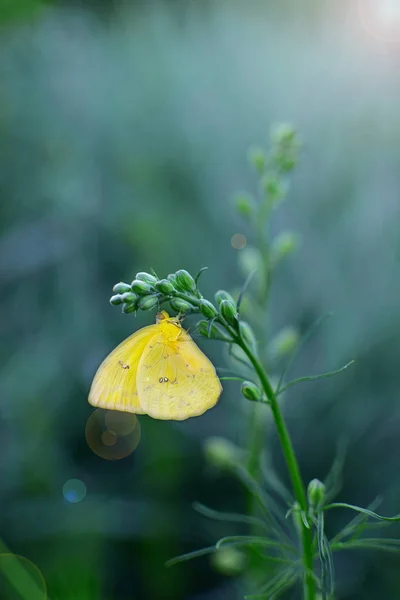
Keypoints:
(121, 144)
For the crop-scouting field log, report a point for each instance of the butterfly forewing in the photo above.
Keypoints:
(175, 380)
(114, 385)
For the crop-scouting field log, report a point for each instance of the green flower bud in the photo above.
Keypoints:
(150, 279)
(141, 287)
(120, 288)
(244, 205)
(222, 295)
(250, 260)
(129, 297)
(274, 188)
(229, 561)
(208, 309)
(165, 287)
(247, 334)
(284, 244)
(181, 305)
(251, 391)
(285, 342)
(129, 308)
(315, 493)
(115, 300)
(286, 147)
(148, 302)
(221, 453)
(184, 281)
(212, 331)
(257, 158)
(172, 278)
(229, 312)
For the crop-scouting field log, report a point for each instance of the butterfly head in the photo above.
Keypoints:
(163, 317)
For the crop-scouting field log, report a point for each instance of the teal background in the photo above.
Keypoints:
(123, 137)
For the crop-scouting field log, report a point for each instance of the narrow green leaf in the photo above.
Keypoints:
(244, 288)
(314, 377)
(228, 517)
(232, 379)
(326, 559)
(241, 360)
(247, 540)
(253, 486)
(277, 585)
(333, 480)
(368, 544)
(359, 521)
(196, 279)
(190, 555)
(359, 509)
(302, 343)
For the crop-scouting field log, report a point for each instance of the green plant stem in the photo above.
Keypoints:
(294, 472)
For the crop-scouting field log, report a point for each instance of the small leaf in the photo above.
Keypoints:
(314, 377)
(278, 584)
(190, 555)
(333, 480)
(196, 279)
(386, 544)
(302, 343)
(358, 522)
(359, 509)
(248, 540)
(244, 288)
(228, 517)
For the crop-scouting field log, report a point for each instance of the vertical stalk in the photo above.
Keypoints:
(294, 472)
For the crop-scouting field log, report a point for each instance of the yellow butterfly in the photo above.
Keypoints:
(158, 371)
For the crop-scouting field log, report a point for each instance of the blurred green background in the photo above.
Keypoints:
(123, 134)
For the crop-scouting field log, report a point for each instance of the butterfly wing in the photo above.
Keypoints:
(175, 380)
(114, 385)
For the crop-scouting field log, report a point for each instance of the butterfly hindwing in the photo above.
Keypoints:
(175, 380)
(114, 385)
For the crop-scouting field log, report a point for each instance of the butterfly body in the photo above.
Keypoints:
(158, 371)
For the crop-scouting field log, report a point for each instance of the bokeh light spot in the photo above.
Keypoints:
(20, 578)
(238, 241)
(74, 490)
(112, 435)
(109, 437)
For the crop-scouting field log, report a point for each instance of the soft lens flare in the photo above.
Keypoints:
(381, 18)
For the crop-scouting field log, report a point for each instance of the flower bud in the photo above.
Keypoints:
(229, 312)
(184, 281)
(129, 308)
(223, 295)
(284, 244)
(181, 305)
(274, 188)
(141, 287)
(257, 158)
(247, 334)
(251, 391)
(129, 297)
(315, 493)
(244, 205)
(147, 277)
(208, 309)
(285, 342)
(116, 300)
(229, 561)
(148, 302)
(212, 331)
(220, 452)
(120, 288)
(165, 287)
